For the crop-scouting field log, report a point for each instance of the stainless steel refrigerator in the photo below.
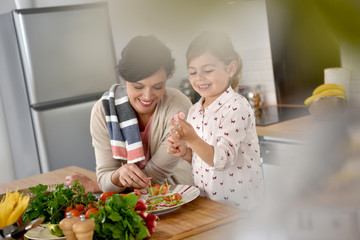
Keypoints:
(55, 63)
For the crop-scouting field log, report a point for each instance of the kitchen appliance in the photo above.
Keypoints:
(55, 62)
(273, 114)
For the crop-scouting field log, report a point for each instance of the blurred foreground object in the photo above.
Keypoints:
(14, 232)
(327, 102)
(328, 108)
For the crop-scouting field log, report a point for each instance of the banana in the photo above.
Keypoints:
(12, 207)
(326, 93)
(327, 86)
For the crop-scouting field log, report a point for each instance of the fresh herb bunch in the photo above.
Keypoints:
(117, 219)
(52, 204)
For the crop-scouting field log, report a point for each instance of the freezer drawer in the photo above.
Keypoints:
(63, 136)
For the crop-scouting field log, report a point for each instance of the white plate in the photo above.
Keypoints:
(187, 192)
(41, 232)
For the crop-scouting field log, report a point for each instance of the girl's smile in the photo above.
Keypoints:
(209, 76)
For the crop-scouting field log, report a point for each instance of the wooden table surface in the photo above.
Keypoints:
(200, 219)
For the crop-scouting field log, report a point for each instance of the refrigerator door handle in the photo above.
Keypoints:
(66, 102)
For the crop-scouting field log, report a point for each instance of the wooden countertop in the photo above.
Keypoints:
(293, 129)
(200, 219)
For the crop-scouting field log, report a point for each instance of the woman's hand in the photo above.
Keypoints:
(89, 184)
(130, 175)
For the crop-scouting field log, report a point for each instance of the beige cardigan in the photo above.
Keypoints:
(161, 165)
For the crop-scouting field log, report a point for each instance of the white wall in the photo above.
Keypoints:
(176, 23)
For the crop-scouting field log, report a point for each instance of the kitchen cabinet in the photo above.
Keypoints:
(281, 144)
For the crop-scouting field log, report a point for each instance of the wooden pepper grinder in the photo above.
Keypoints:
(66, 226)
(84, 229)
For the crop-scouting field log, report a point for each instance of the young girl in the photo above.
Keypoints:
(220, 131)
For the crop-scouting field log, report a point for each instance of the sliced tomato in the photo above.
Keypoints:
(177, 196)
(156, 189)
(164, 189)
(138, 193)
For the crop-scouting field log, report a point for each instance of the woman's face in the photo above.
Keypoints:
(146, 93)
(209, 76)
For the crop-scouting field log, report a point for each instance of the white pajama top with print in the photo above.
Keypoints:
(228, 124)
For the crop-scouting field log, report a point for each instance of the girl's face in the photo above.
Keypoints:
(146, 93)
(209, 76)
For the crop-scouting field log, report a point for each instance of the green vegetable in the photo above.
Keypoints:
(52, 204)
(55, 229)
(117, 219)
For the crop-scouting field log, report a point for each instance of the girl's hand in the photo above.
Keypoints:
(176, 147)
(182, 129)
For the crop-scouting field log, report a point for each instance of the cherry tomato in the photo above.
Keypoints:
(105, 195)
(68, 209)
(90, 211)
(91, 205)
(79, 207)
(75, 213)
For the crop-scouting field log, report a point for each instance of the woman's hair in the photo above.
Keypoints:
(142, 57)
(219, 45)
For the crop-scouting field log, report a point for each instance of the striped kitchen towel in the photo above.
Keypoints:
(122, 124)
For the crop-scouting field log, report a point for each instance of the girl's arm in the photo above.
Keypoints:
(204, 150)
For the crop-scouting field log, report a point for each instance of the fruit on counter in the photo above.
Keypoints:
(326, 90)
(79, 207)
(84, 229)
(12, 207)
(327, 86)
(91, 211)
(55, 229)
(66, 225)
(105, 195)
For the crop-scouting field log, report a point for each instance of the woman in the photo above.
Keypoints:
(129, 156)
